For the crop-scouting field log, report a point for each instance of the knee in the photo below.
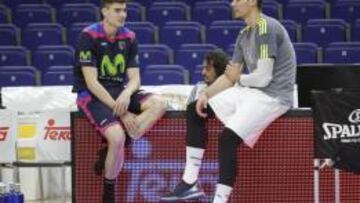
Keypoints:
(157, 103)
(191, 111)
(228, 140)
(191, 107)
(160, 104)
(115, 137)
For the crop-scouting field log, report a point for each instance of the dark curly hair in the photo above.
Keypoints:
(219, 59)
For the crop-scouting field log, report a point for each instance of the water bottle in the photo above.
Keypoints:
(4, 195)
(16, 195)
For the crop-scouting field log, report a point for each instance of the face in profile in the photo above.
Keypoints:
(115, 14)
(208, 72)
(241, 8)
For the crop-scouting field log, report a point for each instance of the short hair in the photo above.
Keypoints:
(219, 60)
(106, 2)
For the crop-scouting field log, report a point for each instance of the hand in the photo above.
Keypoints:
(201, 105)
(131, 125)
(233, 70)
(122, 103)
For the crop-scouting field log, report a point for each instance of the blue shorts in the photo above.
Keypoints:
(99, 114)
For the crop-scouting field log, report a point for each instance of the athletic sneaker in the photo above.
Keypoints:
(184, 191)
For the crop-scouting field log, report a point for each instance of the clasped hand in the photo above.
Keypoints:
(122, 103)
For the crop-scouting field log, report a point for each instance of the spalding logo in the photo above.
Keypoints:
(354, 117)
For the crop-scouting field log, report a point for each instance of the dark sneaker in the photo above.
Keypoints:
(184, 191)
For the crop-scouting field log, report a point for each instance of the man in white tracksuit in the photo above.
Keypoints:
(245, 103)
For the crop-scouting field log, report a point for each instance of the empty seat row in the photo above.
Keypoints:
(161, 74)
(29, 76)
(188, 55)
(220, 33)
(204, 12)
(44, 13)
(42, 58)
(54, 3)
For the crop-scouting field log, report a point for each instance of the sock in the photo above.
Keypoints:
(109, 191)
(193, 162)
(222, 193)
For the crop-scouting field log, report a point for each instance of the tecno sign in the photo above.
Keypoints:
(53, 132)
(3, 133)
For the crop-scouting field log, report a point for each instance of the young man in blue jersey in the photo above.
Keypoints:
(245, 103)
(107, 53)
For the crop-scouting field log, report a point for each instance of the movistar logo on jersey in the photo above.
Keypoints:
(112, 67)
(85, 56)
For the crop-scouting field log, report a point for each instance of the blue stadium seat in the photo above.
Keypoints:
(17, 76)
(324, 31)
(292, 29)
(149, 2)
(164, 74)
(13, 56)
(161, 12)
(58, 4)
(355, 35)
(230, 49)
(152, 54)
(73, 32)
(196, 75)
(272, 8)
(206, 12)
(191, 55)
(8, 33)
(145, 31)
(303, 10)
(4, 14)
(74, 13)
(166, 67)
(283, 2)
(342, 53)
(61, 68)
(135, 12)
(45, 56)
(36, 34)
(14, 3)
(306, 52)
(96, 2)
(224, 33)
(58, 78)
(181, 32)
(145, 3)
(32, 13)
(348, 10)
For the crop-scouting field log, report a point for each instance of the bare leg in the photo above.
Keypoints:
(152, 110)
(115, 156)
(114, 160)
